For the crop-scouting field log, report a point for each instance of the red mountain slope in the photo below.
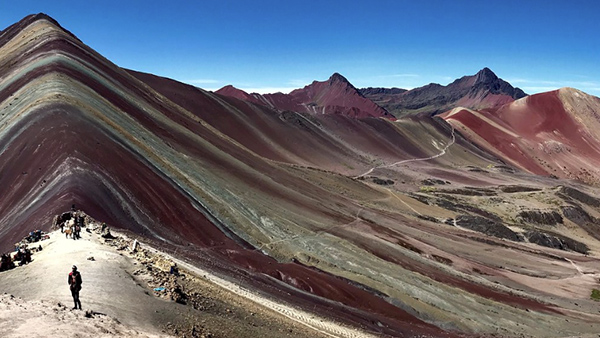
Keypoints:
(334, 96)
(231, 91)
(553, 133)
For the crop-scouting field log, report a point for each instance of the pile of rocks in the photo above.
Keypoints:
(164, 279)
(163, 274)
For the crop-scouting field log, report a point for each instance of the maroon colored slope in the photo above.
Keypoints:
(549, 133)
(334, 96)
(231, 91)
(332, 142)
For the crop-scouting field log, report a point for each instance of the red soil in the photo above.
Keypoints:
(334, 96)
(541, 136)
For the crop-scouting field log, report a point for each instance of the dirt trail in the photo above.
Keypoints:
(33, 319)
(441, 153)
(108, 288)
(575, 266)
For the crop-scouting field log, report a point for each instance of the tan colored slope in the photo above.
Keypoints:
(40, 319)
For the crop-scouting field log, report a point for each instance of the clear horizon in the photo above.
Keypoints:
(269, 46)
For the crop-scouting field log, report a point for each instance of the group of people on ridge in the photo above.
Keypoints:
(22, 253)
(70, 223)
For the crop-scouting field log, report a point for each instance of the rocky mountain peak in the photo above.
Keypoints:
(337, 77)
(485, 76)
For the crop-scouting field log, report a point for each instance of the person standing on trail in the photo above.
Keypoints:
(75, 285)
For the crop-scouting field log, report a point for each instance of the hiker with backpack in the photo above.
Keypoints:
(75, 285)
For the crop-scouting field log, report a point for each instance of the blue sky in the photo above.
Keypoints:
(269, 45)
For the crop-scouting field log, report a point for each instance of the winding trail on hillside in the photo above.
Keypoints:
(403, 202)
(575, 266)
(442, 152)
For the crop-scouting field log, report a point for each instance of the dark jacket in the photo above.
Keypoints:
(74, 280)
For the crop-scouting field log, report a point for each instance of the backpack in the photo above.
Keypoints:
(74, 285)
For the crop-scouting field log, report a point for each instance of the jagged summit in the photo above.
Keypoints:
(485, 76)
(337, 77)
(482, 90)
(486, 80)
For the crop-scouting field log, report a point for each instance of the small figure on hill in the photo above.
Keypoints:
(75, 285)
(6, 263)
(77, 233)
(174, 270)
(27, 256)
(24, 255)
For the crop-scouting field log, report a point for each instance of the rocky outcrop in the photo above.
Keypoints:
(380, 181)
(578, 195)
(434, 181)
(541, 217)
(517, 188)
(487, 226)
(579, 216)
(453, 204)
(556, 241)
(504, 169)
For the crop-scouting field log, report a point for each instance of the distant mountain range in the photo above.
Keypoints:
(338, 96)
(480, 91)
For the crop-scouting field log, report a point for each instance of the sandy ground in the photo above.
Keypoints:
(118, 300)
(21, 318)
(45, 302)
